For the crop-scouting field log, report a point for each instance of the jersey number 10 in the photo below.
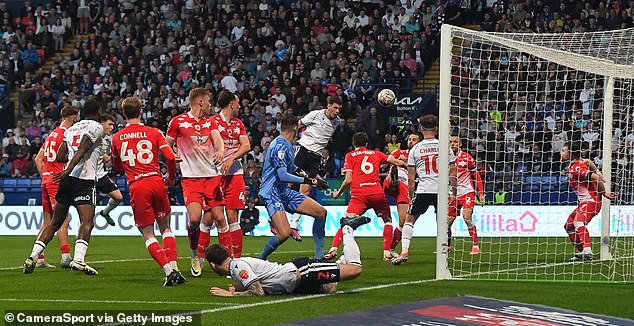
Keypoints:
(434, 165)
(143, 153)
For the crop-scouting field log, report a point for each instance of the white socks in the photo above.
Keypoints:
(81, 246)
(350, 248)
(295, 221)
(406, 238)
(38, 248)
(111, 205)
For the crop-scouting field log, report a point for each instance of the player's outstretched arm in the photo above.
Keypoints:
(453, 179)
(85, 145)
(344, 185)
(394, 161)
(600, 181)
(255, 289)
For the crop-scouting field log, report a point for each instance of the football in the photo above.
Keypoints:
(386, 97)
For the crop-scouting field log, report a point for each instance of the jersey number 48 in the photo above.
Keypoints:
(143, 153)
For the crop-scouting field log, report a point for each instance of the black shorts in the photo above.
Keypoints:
(308, 161)
(105, 185)
(314, 275)
(75, 191)
(421, 202)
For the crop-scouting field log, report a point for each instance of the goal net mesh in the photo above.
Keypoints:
(515, 100)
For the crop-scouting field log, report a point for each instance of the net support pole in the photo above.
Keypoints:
(442, 210)
(608, 111)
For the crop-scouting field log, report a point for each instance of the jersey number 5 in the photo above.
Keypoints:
(143, 153)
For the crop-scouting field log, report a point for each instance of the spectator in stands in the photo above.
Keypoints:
(19, 165)
(5, 166)
(249, 218)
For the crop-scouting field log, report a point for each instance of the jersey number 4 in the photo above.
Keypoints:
(143, 153)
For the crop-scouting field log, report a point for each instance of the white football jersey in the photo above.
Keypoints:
(86, 169)
(424, 156)
(106, 148)
(319, 129)
(275, 278)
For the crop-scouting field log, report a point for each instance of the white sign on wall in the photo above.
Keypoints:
(499, 221)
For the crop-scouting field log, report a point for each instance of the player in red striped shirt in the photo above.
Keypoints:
(135, 150)
(395, 185)
(47, 165)
(200, 148)
(234, 136)
(465, 200)
(588, 184)
(362, 172)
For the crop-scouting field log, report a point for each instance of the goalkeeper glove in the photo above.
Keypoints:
(317, 182)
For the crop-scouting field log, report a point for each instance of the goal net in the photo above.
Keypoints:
(514, 99)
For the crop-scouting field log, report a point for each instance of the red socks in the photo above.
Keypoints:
(336, 241)
(396, 238)
(65, 249)
(203, 243)
(236, 243)
(156, 251)
(474, 235)
(388, 236)
(224, 238)
(584, 237)
(169, 244)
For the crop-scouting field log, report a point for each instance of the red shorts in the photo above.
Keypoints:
(400, 194)
(233, 189)
(205, 191)
(49, 191)
(149, 201)
(585, 212)
(360, 204)
(466, 201)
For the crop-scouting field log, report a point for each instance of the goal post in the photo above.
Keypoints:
(514, 99)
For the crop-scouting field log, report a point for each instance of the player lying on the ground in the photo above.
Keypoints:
(588, 184)
(362, 174)
(277, 172)
(465, 200)
(259, 277)
(135, 151)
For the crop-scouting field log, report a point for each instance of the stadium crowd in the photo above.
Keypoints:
(286, 57)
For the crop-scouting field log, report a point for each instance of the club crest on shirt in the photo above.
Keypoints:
(244, 274)
(280, 154)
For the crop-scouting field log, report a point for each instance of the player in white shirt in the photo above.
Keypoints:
(104, 184)
(422, 162)
(320, 126)
(82, 143)
(257, 277)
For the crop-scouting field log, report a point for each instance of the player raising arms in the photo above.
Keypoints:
(320, 125)
(135, 151)
(362, 172)
(200, 147)
(422, 165)
(47, 165)
(588, 184)
(395, 185)
(236, 144)
(277, 173)
(466, 171)
(82, 142)
(256, 277)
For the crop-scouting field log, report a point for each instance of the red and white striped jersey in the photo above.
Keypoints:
(194, 145)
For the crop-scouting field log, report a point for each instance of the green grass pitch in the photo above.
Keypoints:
(129, 280)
